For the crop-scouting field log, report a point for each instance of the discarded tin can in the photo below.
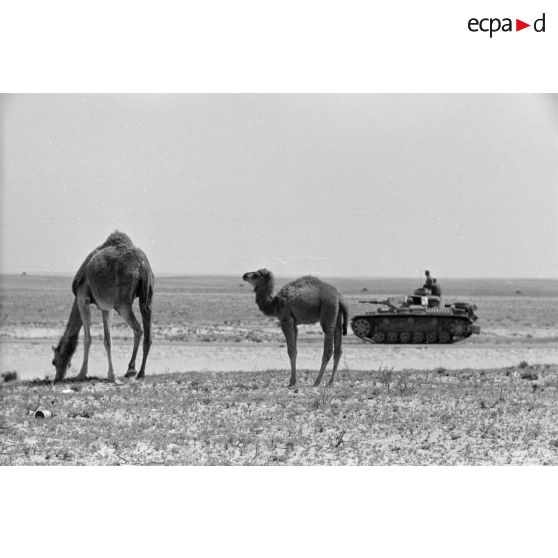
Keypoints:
(42, 413)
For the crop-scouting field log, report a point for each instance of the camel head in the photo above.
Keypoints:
(61, 362)
(258, 278)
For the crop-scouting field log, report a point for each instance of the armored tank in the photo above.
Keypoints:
(418, 318)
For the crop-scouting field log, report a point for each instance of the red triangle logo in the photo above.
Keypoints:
(519, 25)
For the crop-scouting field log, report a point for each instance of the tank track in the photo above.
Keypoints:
(434, 328)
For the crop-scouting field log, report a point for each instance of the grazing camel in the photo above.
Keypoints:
(111, 277)
(306, 300)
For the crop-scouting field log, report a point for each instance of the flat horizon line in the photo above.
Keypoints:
(172, 275)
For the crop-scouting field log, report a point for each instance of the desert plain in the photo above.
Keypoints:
(216, 394)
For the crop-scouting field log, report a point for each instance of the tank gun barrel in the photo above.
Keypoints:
(386, 301)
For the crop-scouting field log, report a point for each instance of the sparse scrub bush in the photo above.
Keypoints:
(406, 386)
(385, 377)
(338, 439)
(324, 399)
(9, 376)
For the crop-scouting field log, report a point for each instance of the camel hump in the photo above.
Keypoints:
(117, 238)
(308, 280)
(310, 283)
(310, 296)
(116, 243)
(307, 287)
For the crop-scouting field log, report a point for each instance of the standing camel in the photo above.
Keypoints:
(111, 277)
(306, 300)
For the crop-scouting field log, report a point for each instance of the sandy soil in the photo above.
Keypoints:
(216, 376)
(467, 417)
(31, 359)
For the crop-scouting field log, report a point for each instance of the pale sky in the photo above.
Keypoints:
(335, 185)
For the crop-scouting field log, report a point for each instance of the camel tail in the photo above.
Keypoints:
(345, 313)
(145, 286)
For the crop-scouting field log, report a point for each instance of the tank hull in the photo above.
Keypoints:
(408, 326)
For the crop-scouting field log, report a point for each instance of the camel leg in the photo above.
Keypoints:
(107, 321)
(128, 315)
(338, 347)
(290, 331)
(85, 313)
(145, 310)
(295, 330)
(328, 324)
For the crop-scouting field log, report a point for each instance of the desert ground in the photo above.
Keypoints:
(215, 391)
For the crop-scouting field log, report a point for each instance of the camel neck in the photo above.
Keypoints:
(266, 303)
(74, 321)
(69, 340)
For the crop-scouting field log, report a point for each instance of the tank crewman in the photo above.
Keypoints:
(436, 289)
(428, 282)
